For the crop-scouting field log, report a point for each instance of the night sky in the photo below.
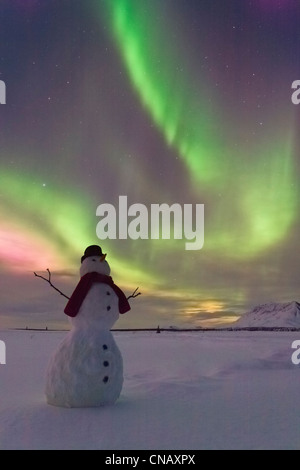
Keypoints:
(162, 101)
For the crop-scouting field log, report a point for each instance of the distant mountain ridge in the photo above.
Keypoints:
(271, 315)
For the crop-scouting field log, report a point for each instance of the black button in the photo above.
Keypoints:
(104, 347)
(105, 380)
(108, 308)
(107, 293)
(106, 363)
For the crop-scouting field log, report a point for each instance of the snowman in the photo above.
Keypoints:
(87, 368)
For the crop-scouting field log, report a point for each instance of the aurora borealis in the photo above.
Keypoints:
(163, 101)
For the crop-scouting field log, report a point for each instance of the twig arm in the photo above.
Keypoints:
(134, 294)
(49, 282)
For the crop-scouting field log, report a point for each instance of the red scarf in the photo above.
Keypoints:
(84, 286)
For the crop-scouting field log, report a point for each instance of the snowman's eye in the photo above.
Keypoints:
(93, 259)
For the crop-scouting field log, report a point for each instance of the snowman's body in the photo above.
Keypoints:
(87, 368)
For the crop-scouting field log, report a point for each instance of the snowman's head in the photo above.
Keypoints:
(99, 308)
(95, 264)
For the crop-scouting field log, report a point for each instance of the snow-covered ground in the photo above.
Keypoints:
(182, 390)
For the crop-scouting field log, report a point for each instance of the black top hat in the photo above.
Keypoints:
(92, 250)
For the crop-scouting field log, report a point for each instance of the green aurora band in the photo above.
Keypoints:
(157, 73)
(63, 219)
(265, 201)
